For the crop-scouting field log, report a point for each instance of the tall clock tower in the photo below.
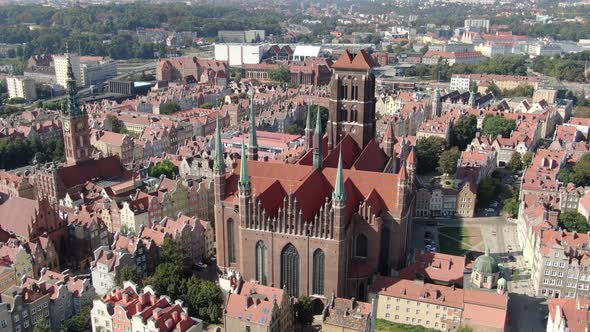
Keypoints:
(76, 129)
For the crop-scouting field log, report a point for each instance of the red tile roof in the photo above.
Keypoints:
(437, 267)
(575, 312)
(361, 61)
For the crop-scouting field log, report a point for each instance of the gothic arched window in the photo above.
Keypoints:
(360, 246)
(290, 269)
(261, 262)
(318, 272)
(355, 89)
(231, 244)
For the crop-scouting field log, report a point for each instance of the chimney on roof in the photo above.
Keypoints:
(183, 316)
(175, 316)
(156, 313)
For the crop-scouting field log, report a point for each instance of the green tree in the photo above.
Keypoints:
(511, 207)
(527, 159)
(428, 151)
(464, 131)
(204, 300)
(175, 253)
(447, 164)
(207, 106)
(494, 90)
(515, 164)
(281, 74)
(304, 311)
(579, 174)
(167, 279)
(80, 321)
(127, 273)
(41, 326)
(169, 108)
(574, 221)
(164, 167)
(520, 91)
(488, 189)
(494, 125)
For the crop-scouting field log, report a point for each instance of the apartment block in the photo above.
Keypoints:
(21, 87)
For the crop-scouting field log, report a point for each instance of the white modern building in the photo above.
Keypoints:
(304, 52)
(61, 69)
(460, 83)
(21, 87)
(94, 73)
(240, 54)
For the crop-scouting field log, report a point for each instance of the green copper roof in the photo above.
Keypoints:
(218, 164)
(252, 142)
(71, 106)
(339, 192)
(486, 264)
(244, 181)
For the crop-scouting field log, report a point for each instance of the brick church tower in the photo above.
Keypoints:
(352, 101)
(75, 124)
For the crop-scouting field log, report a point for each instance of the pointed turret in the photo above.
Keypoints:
(218, 166)
(244, 181)
(339, 193)
(402, 190)
(472, 99)
(318, 155)
(389, 140)
(219, 163)
(252, 141)
(308, 129)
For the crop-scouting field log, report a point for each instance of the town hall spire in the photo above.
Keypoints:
(252, 142)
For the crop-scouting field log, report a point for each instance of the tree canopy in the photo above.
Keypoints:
(79, 322)
(464, 131)
(164, 167)
(488, 189)
(494, 125)
(127, 273)
(579, 174)
(17, 152)
(281, 74)
(447, 164)
(574, 221)
(204, 299)
(169, 108)
(304, 311)
(428, 151)
(515, 164)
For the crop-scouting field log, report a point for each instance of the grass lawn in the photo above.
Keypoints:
(382, 325)
(468, 237)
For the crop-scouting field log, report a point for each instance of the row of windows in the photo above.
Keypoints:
(417, 321)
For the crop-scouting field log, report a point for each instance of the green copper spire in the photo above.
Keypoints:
(339, 194)
(308, 120)
(252, 142)
(244, 181)
(219, 163)
(318, 156)
(71, 106)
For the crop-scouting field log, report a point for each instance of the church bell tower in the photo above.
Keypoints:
(352, 100)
